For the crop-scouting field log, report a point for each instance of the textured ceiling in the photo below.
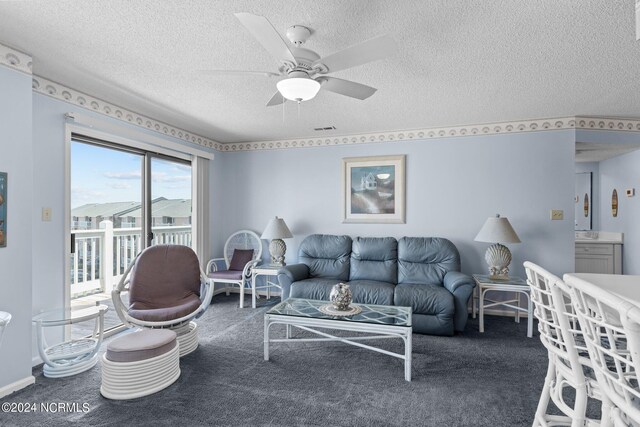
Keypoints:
(459, 62)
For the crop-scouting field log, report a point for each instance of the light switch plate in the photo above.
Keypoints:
(46, 214)
(557, 214)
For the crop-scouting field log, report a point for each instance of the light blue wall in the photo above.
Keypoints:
(15, 260)
(594, 168)
(453, 186)
(623, 172)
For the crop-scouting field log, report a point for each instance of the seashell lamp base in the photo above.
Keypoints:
(498, 258)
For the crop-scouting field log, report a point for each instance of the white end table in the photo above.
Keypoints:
(510, 284)
(264, 270)
(74, 356)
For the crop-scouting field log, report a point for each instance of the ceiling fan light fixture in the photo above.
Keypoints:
(298, 88)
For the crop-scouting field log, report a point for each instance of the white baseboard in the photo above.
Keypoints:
(18, 385)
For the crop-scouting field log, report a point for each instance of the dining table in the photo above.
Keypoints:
(624, 286)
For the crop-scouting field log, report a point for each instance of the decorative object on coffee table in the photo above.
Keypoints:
(331, 310)
(276, 231)
(497, 230)
(340, 296)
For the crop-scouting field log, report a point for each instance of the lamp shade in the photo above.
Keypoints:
(276, 229)
(298, 88)
(497, 230)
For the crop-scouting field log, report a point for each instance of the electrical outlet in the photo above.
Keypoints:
(557, 214)
(46, 214)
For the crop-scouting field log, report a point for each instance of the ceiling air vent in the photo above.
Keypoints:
(332, 127)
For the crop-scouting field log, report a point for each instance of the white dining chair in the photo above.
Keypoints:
(611, 328)
(568, 356)
(5, 318)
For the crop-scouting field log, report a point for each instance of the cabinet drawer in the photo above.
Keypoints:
(595, 249)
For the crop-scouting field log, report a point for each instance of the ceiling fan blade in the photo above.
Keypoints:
(346, 87)
(276, 99)
(266, 34)
(238, 73)
(359, 54)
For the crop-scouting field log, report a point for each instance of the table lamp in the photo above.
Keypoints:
(276, 231)
(497, 230)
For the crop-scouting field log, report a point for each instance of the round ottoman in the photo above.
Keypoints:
(140, 363)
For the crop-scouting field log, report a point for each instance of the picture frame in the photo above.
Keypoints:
(373, 189)
(3, 209)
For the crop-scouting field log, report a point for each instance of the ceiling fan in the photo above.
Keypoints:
(304, 71)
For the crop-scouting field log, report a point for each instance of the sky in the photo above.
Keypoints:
(101, 175)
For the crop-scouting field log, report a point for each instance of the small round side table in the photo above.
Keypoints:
(74, 356)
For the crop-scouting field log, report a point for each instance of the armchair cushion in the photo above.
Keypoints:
(153, 313)
(226, 275)
(165, 276)
(240, 258)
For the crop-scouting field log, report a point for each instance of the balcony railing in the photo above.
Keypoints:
(101, 256)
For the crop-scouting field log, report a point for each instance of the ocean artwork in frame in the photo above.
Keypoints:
(374, 189)
(3, 210)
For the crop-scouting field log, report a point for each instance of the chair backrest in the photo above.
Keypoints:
(327, 256)
(426, 260)
(243, 239)
(557, 322)
(163, 275)
(611, 328)
(374, 258)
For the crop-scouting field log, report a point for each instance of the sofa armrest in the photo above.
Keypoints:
(455, 279)
(289, 274)
(461, 286)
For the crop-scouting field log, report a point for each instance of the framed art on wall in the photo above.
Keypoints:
(3, 209)
(373, 189)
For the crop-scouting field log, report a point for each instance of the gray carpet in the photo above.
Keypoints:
(472, 379)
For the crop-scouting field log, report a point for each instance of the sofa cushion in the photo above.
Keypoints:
(318, 288)
(374, 258)
(326, 255)
(425, 260)
(425, 299)
(372, 292)
(363, 291)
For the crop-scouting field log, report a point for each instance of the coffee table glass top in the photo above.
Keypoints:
(379, 314)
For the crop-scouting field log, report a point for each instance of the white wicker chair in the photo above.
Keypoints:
(176, 260)
(559, 333)
(612, 331)
(235, 281)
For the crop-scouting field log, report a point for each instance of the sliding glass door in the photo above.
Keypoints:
(123, 200)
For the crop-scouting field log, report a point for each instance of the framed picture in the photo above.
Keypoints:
(374, 189)
(3, 210)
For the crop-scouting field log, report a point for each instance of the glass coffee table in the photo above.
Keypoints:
(377, 321)
(73, 356)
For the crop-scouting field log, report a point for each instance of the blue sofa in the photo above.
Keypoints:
(420, 272)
